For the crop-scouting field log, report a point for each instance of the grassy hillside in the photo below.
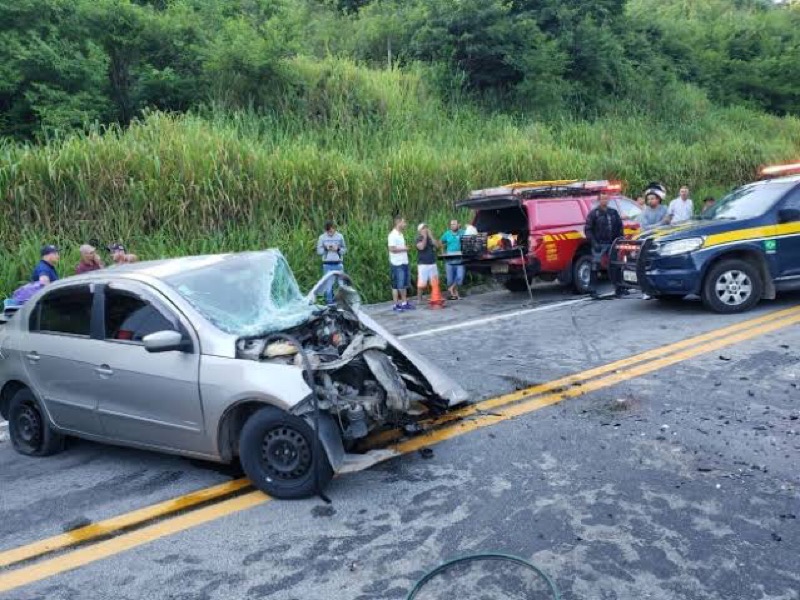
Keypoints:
(353, 144)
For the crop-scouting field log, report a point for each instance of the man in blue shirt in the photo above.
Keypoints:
(451, 239)
(45, 271)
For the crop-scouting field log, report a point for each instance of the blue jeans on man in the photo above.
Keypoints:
(328, 289)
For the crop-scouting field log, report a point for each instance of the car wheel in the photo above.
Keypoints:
(276, 451)
(516, 285)
(732, 286)
(582, 273)
(30, 432)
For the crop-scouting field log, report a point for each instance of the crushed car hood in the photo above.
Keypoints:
(442, 384)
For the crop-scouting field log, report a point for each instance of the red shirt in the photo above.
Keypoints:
(83, 267)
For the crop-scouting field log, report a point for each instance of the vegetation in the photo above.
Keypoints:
(188, 126)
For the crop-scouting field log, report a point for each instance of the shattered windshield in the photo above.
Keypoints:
(245, 294)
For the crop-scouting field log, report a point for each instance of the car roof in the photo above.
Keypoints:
(163, 268)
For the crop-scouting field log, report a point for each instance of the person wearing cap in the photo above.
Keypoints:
(331, 248)
(427, 271)
(89, 261)
(45, 271)
(119, 256)
(655, 213)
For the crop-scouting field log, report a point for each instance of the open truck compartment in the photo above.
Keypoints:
(502, 225)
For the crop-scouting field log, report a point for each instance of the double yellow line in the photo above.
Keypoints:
(94, 542)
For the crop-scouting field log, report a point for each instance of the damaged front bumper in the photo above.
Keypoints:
(362, 376)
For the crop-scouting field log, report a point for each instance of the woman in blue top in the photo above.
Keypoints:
(455, 269)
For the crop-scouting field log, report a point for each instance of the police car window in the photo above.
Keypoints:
(748, 201)
(558, 213)
(64, 311)
(129, 318)
(793, 201)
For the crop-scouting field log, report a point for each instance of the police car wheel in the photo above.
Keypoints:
(732, 286)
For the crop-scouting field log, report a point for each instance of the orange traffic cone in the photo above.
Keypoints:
(436, 295)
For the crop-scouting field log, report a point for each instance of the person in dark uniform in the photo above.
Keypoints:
(603, 226)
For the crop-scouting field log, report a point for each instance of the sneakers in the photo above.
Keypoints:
(403, 307)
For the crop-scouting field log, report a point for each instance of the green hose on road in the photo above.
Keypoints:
(483, 556)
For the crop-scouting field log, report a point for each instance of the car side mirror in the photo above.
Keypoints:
(165, 341)
(788, 215)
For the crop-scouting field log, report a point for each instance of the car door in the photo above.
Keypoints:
(148, 398)
(787, 243)
(60, 356)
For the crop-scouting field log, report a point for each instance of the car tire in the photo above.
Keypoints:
(732, 286)
(581, 271)
(518, 284)
(29, 428)
(276, 451)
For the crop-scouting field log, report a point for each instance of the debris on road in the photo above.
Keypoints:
(426, 452)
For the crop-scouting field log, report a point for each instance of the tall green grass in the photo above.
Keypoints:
(351, 144)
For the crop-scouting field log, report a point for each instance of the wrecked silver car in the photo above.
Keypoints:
(212, 357)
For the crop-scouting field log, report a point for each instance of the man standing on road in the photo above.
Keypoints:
(331, 249)
(603, 226)
(454, 267)
(398, 259)
(682, 208)
(45, 271)
(427, 271)
(655, 213)
(89, 260)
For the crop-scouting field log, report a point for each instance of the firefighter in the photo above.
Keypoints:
(603, 226)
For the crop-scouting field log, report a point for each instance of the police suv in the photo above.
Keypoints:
(745, 248)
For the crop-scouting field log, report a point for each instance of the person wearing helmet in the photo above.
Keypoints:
(654, 213)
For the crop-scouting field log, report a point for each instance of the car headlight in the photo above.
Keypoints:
(681, 246)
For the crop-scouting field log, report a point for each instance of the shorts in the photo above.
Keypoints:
(455, 273)
(427, 274)
(400, 277)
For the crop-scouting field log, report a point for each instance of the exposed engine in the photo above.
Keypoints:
(358, 377)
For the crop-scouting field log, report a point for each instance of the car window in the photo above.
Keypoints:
(130, 318)
(64, 311)
(558, 213)
(628, 209)
(793, 201)
(748, 201)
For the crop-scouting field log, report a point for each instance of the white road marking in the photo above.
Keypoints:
(485, 320)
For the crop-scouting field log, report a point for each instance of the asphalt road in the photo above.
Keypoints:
(672, 476)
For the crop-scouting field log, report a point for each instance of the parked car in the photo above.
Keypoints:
(542, 223)
(744, 249)
(211, 357)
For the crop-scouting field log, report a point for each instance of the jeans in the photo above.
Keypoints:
(455, 273)
(328, 268)
(599, 252)
(400, 277)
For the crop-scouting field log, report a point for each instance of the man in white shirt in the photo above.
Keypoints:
(398, 259)
(681, 209)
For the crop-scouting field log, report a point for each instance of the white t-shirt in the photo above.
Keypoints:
(396, 239)
(681, 210)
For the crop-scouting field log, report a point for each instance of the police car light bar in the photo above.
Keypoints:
(776, 170)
